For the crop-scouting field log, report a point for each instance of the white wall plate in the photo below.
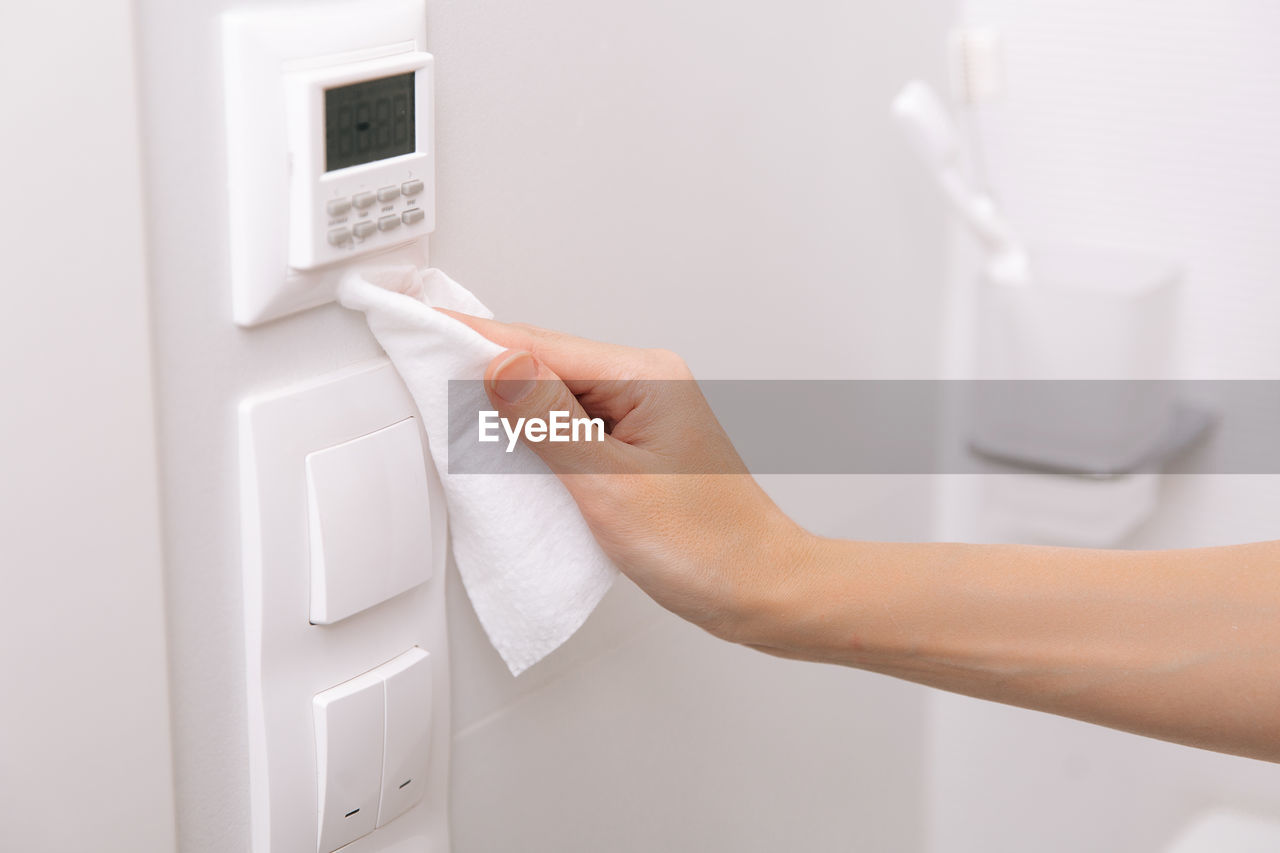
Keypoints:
(288, 659)
(289, 248)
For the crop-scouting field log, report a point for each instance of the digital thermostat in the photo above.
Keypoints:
(330, 139)
(360, 149)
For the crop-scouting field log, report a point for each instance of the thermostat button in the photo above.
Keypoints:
(411, 187)
(339, 236)
(386, 223)
(338, 206)
(388, 193)
(363, 200)
(413, 215)
(364, 228)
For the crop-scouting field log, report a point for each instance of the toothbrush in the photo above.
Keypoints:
(933, 135)
(976, 55)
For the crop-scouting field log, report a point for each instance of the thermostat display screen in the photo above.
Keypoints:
(368, 121)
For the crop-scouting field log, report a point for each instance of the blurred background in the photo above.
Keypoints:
(723, 180)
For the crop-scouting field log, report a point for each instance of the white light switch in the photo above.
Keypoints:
(370, 521)
(288, 661)
(408, 733)
(349, 740)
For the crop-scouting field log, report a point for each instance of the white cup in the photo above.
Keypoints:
(1087, 314)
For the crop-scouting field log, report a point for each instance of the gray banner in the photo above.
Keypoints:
(1084, 428)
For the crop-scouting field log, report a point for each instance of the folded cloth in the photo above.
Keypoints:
(530, 565)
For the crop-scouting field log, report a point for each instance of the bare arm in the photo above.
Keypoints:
(1178, 645)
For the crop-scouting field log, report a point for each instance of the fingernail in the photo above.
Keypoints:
(515, 377)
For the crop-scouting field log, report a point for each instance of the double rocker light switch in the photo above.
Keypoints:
(372, 748)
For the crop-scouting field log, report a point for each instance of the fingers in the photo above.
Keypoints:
(521, 387)
(503, 334)
(579, 362)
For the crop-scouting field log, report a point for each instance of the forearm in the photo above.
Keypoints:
(1179, 645)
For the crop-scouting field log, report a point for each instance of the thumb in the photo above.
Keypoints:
(519, 386)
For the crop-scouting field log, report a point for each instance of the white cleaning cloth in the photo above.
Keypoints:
(531, 567)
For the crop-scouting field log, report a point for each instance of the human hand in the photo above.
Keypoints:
(705, 542)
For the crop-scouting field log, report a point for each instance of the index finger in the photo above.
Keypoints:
(579, 362)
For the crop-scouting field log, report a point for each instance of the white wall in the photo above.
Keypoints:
(1149, 125)
(718, 179)
(84, 721)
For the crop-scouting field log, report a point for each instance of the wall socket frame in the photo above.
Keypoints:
(288, 660)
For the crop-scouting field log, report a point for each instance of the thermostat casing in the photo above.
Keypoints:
(324, 203)
(287, 247)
